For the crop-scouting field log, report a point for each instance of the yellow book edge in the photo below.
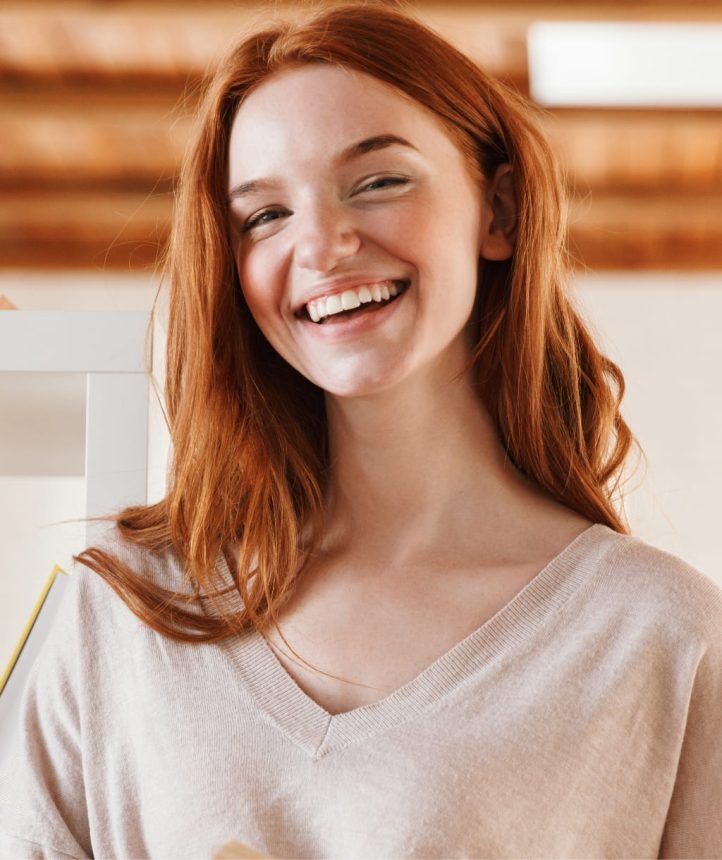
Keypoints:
(29, 626)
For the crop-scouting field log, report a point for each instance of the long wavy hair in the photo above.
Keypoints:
(250, 463)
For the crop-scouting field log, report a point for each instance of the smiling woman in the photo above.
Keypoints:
(389, 606)
(398, 215)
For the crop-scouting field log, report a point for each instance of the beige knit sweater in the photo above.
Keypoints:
(583, 720)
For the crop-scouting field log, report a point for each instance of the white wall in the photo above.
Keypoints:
(664, 331)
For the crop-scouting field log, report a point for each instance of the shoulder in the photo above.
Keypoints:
(119, 575)
(161, 568)
(111, 575)
(656, 574)
(655, 588)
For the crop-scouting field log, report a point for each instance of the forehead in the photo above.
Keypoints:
(315, 110)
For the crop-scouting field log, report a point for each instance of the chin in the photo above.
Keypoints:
(361, 374)
(353, 390)
(367, 386)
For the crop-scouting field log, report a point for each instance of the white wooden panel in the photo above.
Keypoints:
(108, 348)
(73, 341)
(116, 448)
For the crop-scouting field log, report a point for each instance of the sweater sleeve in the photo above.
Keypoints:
(693, 826)
(42, 799)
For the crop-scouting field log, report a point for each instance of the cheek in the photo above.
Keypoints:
(439, 235)
(257, 285)
(407, 228)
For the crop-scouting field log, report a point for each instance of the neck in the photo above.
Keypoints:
(418, 468)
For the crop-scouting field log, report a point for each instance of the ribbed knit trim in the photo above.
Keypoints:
(310, 726)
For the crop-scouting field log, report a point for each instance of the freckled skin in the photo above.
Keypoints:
(323, 222)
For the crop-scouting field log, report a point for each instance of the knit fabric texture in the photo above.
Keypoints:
(584, 720)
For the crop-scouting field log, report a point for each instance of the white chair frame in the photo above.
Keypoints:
(109, 348)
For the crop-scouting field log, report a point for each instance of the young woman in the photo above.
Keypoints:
(389, 607)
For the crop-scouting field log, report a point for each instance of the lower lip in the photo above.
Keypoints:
(342, 329)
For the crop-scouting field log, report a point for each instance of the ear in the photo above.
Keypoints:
(499, 217)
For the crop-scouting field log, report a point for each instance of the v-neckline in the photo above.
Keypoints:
(318, 732)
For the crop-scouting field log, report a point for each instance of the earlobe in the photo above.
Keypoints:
(500, 216)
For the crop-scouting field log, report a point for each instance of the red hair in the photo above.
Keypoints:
(250, 460)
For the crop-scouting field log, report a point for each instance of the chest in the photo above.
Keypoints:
(375, 637)
(521, 741)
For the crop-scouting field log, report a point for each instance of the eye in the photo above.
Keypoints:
(384, 181)
(260, 218)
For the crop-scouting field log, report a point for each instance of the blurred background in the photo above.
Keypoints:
(95, 107)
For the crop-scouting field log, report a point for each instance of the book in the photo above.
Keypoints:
(13, 678)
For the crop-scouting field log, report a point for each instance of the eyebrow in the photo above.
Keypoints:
(369, 144)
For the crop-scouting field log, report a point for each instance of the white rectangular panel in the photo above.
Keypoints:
(69, 341)
(116, 452)
(620, 64)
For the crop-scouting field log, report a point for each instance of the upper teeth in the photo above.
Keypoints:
(350, 299)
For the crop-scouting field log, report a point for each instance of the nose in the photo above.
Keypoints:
(327, 235)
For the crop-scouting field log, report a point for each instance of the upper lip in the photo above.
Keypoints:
(329, 288)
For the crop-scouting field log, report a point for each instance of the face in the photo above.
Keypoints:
(342, 192)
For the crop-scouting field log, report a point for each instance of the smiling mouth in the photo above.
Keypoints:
(366, 308)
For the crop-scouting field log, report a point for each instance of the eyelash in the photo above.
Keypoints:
(394, 180)
(256, 221)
